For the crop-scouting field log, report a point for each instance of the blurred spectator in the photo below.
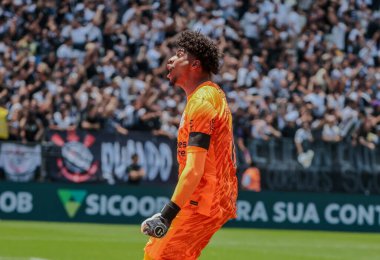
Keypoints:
(303, 138)
(3, 123)
(368, 134)
(31, 128)
(14, 125)
(331, 131)
(264, 129)
(290, 127)
(91, 118)
(251, 178)
(63, 119)
(242, 132)
(135, 172)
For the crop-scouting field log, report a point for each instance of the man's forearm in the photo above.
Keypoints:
(159, 224)
(190, 177)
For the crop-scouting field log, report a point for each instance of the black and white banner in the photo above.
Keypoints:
(19, 162)
(79, 156)
(334, 167)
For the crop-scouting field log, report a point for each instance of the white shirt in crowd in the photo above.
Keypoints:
(338, 35)
(302, 134)
(330, 131)
(318, 102)
(153, 56)
(65, 52)
(249, 24)
(93, 33)
(79, 35)
(204, 27)
(63, 122)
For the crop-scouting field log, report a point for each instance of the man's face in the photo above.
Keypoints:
(179, 67)
(135, 159)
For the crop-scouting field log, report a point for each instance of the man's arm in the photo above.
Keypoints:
(190, 177)
(158, 225)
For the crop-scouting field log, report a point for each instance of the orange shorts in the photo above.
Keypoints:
(189, 233)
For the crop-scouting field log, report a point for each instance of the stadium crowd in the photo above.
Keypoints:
(297, 69)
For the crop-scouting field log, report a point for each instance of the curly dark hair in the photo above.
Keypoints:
(202, 48)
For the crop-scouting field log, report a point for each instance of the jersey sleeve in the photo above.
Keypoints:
(201, 116)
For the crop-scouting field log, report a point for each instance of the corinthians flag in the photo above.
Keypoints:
(96, 156)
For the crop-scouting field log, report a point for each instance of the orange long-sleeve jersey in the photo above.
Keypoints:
(207, 123)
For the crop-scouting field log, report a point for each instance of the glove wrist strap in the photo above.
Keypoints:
(170, 211)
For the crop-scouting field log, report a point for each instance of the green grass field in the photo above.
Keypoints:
(66, 241)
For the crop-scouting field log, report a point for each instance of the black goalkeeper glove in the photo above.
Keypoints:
(158, 225)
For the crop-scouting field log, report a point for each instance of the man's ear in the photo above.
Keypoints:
(196, 64)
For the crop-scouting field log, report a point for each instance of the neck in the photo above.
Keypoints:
(194, 82)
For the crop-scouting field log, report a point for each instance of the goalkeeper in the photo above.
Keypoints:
(205, 195)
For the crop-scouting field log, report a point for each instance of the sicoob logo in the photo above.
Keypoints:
(71, 200)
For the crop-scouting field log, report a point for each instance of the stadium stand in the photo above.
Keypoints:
(101, 64)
